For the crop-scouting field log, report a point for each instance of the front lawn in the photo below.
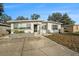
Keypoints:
(69, 40)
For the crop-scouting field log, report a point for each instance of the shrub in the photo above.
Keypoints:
(77, 32)
(18, 31)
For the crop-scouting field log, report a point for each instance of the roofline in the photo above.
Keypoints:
(23, 21)
(32, 21)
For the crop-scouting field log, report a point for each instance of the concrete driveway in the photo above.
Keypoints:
(30, 45)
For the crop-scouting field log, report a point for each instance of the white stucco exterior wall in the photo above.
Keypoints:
(44, 30)
(49, 27)
(59, 26)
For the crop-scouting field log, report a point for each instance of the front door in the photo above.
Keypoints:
(35, 28)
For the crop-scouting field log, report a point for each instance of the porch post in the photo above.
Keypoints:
(12, 27)
(40, 28)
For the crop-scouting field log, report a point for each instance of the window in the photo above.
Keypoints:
(55, 27)
(15, 26)
(22, 26)
(44, 27)
(28, 26)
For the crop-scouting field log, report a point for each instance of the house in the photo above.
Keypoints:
(71, 28)
(34, 26)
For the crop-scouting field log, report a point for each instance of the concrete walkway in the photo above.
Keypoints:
(33, 46)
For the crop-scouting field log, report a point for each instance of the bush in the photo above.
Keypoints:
(66, 31)
(77, 32)
(18, 31)
(8, 30)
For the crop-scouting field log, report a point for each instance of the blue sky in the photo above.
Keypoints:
(43, 9)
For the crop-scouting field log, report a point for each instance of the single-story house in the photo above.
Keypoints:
(71, 28)
(34, 26)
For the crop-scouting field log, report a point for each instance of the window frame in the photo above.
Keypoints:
(54, 27)
(20, 26)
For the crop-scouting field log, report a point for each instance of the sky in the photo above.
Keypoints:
(43, 9)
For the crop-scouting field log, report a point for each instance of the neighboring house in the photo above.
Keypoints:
(4, 26)
(3, 29)
(71, 28)
(34, 26)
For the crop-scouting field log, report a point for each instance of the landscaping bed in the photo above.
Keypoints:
(70, 40)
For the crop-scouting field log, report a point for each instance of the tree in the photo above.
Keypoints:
(35, 16)
(49, 18)
(66, 20)
(27, 18)
(58, 17)
(21, 18)
(1, 9)
(5, 18)
(55, 17)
